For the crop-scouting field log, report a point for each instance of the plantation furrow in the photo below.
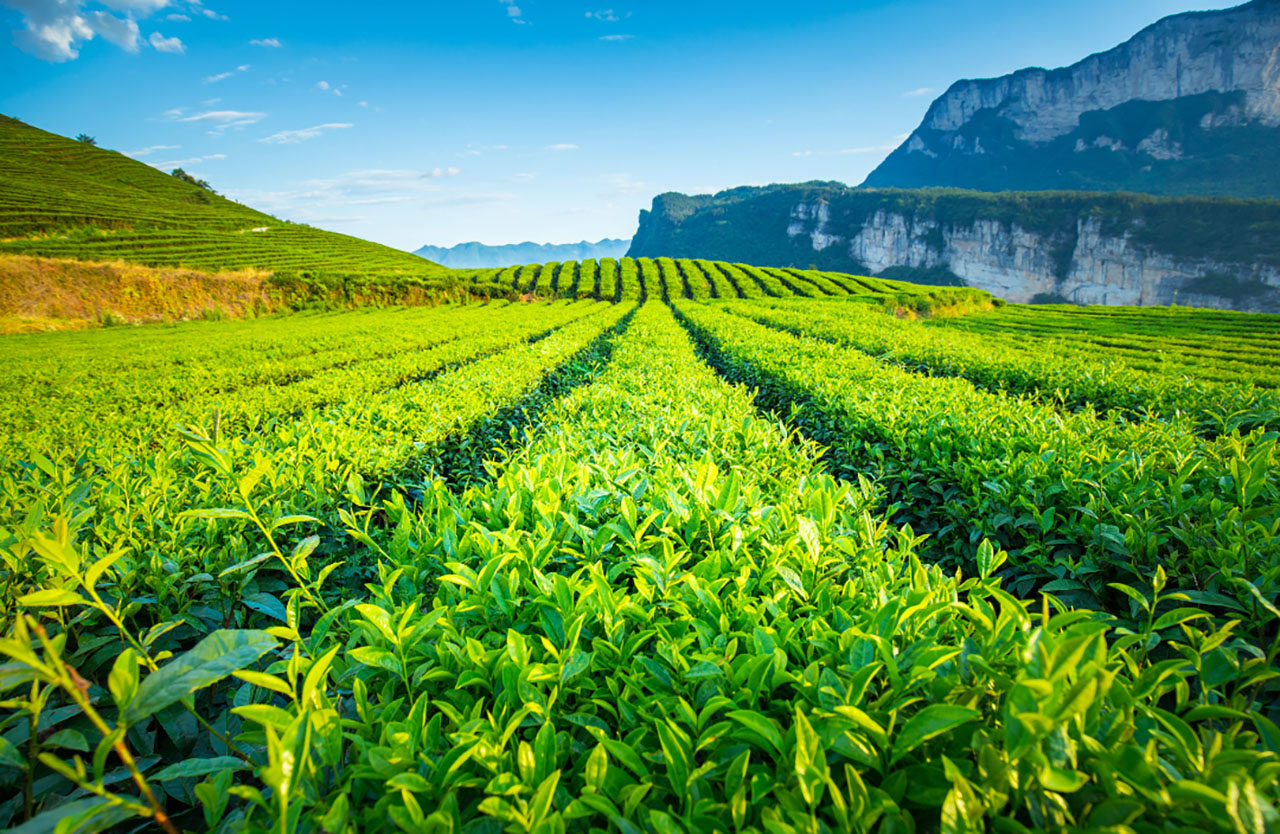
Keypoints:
(248, 395)
(714, 271)
(1214, 408)
(1134, 343)
(1079, 502)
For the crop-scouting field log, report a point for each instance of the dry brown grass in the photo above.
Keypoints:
(56, 294)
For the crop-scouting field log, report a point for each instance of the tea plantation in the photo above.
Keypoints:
(697, 547)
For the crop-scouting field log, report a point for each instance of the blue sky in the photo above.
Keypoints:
(512, 120)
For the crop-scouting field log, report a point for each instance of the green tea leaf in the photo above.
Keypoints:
(212, 659)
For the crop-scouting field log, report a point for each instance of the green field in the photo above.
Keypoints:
(698, 547)
(64, 199)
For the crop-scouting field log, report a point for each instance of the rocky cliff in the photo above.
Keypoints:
(1190, 105)
(1088, 248)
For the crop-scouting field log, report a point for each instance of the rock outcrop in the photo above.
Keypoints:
(1087, 248)
(1189, 105)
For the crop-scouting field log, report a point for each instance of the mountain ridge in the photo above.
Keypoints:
(1082, 247)
(474, 254)
(1188, 105)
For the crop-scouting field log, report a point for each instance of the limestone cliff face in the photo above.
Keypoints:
(1090, 248)
(1183, 55)
(1085, 265)
(1166, 112)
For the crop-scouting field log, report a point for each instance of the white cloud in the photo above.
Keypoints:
(271, 42)
(364, 104)
(211, 79)
(436, 173)
(142, 8)
(55, 29)
(221, 116)
(323, 85)
(178, 163)
(523, 176)
(121, 32)
(605, 15)
(616, 37)
(919, 91)
(293, 137)
(886, 147)
(212, 15)
(150, 149)
(221, 120)
(564, 146)
(867, 149)
(178, 18)
(163, 44)
(477, 150)
(514, 14)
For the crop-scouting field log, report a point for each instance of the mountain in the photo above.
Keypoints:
(478, 255)
(1189, 105)
(1088, 248)
(67, 199)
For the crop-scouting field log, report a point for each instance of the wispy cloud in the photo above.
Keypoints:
(178, 18)
(162, 44)
(564, 146)
(513, 11)
(436, 173)
(274, 43)
(330, 88)
(194, 160)
(222, 76)
(616, 37)
(919, 91)
(293, 137)
(884, 148)
(150, 149)
(220, 121)
(606, 15)
(477, 150)
(867, 149)
(219, 116)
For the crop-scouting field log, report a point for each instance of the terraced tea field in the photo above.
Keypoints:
(699, 547)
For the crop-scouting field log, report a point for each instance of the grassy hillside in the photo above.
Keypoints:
(66, 199)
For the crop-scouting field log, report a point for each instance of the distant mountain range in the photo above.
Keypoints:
(1189, 105)
(476, 255)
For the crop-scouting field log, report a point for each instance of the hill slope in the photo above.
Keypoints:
(1094, 248)
(62, 198)
(1189, 105)
(476, 255)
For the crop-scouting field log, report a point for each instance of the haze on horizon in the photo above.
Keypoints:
(506, 121)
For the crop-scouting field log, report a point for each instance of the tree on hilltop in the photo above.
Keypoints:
(178, 173)
(87, 139)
